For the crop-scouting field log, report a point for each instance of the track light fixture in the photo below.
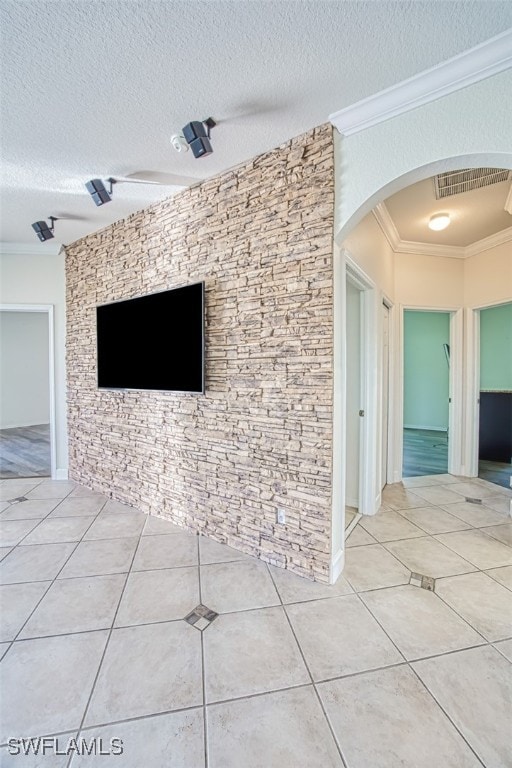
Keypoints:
(99, 192)
(197, 136)
(42, 230)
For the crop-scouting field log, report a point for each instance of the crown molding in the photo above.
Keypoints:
(30, 249)
(398, 245)
(484, 60)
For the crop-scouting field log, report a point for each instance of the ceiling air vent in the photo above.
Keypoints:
(455, 182)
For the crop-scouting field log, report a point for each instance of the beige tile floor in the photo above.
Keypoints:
(373, 672)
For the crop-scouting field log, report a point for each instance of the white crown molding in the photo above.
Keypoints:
(484, 60)
(508, 201)
(30, 249)
(398, 245)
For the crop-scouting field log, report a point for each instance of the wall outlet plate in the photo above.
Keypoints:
(281, 516)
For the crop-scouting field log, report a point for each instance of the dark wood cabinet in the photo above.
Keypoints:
(495, 426)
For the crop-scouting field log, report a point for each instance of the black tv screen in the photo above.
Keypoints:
(153, 342)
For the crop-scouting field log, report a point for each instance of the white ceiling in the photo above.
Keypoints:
(474, 215)
(92, 89)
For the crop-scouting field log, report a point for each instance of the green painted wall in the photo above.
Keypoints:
(496, 347)
(426, 373)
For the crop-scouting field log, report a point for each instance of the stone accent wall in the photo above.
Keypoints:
(261, 236)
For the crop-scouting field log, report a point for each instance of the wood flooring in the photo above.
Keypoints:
(25, 452)
(425, 452)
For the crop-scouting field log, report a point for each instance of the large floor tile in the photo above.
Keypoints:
(114, 526)
(162, 741)
(358, 537)
(474, 687)
(502, 532)
(58, 529)
(51, 489)
(13, 531)
(286, 729)
(397, 497)
(373, 567)
(476, 515)
(155, 525)
(78, 507)
(389, 526)
(162, 595)
(478, 548)
(117, 507)
(419, 622)
(481, 601)
(29, 510)
(434, 520)
(237, 586)
(47, 683)
(76, 605)
(82, 490)
(211, 551)
(4, 551)
(295, 589)
(499, 503)
(17, 601)
(340, 637)
(429, 557)
(386, 718)
(38, 563)
(422, 480)
(4, 647)
(438, 494)
(97, 558)
(502, 575)
(172, 550)
(251, 652)
(475, 490)
(147, 670)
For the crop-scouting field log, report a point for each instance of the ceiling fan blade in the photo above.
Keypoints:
(165, 179)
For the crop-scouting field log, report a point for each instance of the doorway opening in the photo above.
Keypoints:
(426, 393)
(495, 395)
(27, 420)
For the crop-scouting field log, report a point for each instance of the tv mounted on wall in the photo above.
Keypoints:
(153, 342)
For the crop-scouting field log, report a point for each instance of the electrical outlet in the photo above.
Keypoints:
(281, 516)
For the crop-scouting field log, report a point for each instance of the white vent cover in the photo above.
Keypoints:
(455, 182)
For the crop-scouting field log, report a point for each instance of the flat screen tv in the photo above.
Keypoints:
(153, 342)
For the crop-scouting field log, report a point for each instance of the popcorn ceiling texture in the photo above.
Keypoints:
(261, 237)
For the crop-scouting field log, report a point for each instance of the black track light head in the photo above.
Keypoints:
(42, 230)
(197, 136)
(99, 192)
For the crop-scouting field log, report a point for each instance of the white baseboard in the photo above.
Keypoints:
(61, 474)
(337, 565)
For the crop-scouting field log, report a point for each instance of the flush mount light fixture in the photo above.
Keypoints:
(439, 221)
(42, 230)
(99, 193)
(197, 136)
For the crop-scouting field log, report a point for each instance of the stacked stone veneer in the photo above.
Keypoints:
(261, 237)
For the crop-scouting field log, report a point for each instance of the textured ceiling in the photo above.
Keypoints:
(474, 215)
(92, 88)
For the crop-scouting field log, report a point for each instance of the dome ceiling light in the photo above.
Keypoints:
(439, 221)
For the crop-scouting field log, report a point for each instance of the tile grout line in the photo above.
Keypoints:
(51, 583)
(429, 692)
(319, 699)
(102, 658)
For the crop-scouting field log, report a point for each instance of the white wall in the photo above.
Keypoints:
(429, 281)
(37, 277)
(373, 253)
(488, 276)
(24, 382)
(381, 160)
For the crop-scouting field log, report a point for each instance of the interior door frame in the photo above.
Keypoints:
(389, 469)
(369, 502)
(472, 352)
(49, 310)
(455, 388)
